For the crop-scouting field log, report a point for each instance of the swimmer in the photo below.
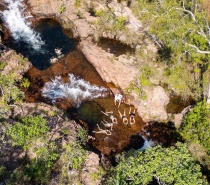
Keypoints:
(101, 131)
(53, 60)
(124, 118)
(58, 51)
(111, 116)
(132, 116)
(107, 124)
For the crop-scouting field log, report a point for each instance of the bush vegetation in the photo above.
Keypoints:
(10, 94)
(179, 30)
(172, 165)
(196, 125)
(108, 23)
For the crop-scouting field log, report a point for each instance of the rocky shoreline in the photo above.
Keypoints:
(122, 70)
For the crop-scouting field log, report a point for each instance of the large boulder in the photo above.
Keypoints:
(153, 107)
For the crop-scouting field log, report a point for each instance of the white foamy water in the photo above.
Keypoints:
(19, 25)
(76, 90)
(147, 144)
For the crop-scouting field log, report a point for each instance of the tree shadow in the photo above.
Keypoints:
(165, 53)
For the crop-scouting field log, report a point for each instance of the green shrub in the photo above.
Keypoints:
(195, 127)
(24, 83)
(172, 165)
(38, 170)
(27, 130)
(10, 94)
(62, 9)
(77, 3)
(2, 65)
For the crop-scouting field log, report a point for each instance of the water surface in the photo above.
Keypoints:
(53, 37)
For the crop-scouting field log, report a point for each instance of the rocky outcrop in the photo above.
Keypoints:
(122, 70)
(58, 123)
(153, 107)
(3, 6)
(14, 63)
(90, 173)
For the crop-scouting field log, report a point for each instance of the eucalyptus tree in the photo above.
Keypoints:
(196, 125)
(180, 29)
(195, 129)
(172, 165)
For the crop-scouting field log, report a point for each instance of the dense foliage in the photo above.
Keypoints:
(172, 165)
(10, 94)
(43, 155)
(196, 125)
(28, 129)
(181, 32)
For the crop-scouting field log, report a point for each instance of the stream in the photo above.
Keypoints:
(73, 84)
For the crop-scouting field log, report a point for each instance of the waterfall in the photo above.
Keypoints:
(19, 24)
(75, 90)
(147, 144)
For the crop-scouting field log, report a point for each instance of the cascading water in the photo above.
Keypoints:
(19, 24)
(76, 90)
(147, 144)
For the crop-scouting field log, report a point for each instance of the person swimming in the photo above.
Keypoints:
(111, 116)
(124, 118)
(58, 51)
(107, 124)
(132, 116)
(101, 131)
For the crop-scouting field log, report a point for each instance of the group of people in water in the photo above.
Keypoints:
(59, 55)
(113, 119)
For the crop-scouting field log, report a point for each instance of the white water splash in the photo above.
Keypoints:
(147, 144)
(19, 25)
(76, 90)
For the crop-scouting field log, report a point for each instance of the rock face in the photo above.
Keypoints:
(122, 70)
(14, 63)
(153, 108)
(90, 168)
(178, 118)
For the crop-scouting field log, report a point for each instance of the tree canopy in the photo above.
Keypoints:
(172, 165)
(196, 125)
(180, 29)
